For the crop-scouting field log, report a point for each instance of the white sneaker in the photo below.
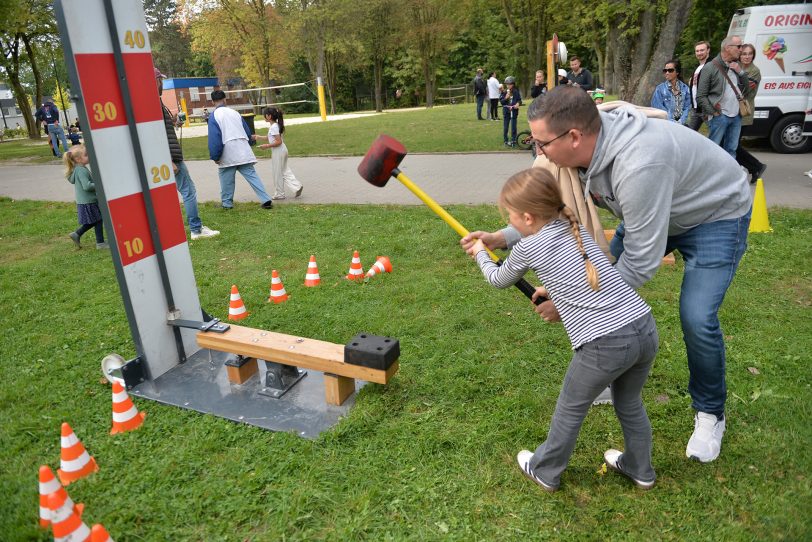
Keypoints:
(523, 458)
(204, 233)
(706, 442)
(611, 457)
(808, 173)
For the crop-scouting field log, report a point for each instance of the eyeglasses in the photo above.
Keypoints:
(669, 70)
(540, 146)
(736, 46)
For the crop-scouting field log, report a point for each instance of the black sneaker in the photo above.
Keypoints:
(75, 238)
(267, 205)
(299, 192)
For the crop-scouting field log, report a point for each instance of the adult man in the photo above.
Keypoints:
(717, 100)
(183, 181)
(229, 147)
(49, 115)
(674, 192)
(578, 76)
(480, 92)
(701, 51)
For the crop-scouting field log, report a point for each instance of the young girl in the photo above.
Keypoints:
(510, 99)
(610, 327)
(87, 207)
(282, 174)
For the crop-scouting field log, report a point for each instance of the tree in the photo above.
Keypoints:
(260, 47)
(432, 28)
(22, 22)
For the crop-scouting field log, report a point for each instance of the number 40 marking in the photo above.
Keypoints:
(134, 39)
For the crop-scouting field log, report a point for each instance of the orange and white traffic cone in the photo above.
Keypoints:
(125, 416)
(67, 525)
(236, 308)
(99, 534)
(75, 462)
(381, 265)
(312, 277)
(356, 271)
(278, 293)
(48, 484)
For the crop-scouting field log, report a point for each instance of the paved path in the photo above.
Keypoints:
(448, 178)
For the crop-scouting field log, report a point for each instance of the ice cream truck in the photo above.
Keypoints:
(782, 37)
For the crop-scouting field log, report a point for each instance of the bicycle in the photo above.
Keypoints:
(525, 142)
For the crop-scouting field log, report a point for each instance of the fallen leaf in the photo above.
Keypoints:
(602, 469)
(443, 526)
(753, 370)
(662, 398)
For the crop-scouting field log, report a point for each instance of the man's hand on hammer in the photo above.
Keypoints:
(492, 240)
(546, 310)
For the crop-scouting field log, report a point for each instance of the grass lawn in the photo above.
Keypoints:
(430, 456)
(441, 129)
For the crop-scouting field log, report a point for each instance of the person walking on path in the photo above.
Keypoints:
(611, 329)
(230, 147)
(48, 114)
(674, 191)
(282, 174)
(183, 181)
(752, 164)
(493, 96)
(87, 204)
(480, 93)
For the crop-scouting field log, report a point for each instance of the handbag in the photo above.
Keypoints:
(744, 106)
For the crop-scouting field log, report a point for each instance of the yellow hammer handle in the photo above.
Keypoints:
(434, 206)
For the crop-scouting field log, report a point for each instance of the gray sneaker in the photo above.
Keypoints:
(102, 246)
(75, 238)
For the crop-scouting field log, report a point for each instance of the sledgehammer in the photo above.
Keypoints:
(381, 162)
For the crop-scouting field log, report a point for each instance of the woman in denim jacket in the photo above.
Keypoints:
(673, 96)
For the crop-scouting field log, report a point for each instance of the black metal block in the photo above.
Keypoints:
(373, 351)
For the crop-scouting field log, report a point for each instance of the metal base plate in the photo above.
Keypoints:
(201, 384)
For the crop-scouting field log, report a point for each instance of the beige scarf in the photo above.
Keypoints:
(573, 193)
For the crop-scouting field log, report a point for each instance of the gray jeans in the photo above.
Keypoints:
(623, 359)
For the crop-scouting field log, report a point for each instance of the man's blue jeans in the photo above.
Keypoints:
(227, 183)
(480, 99)
(711, 253)
(186, 187)
(725, 131)
(57, 134)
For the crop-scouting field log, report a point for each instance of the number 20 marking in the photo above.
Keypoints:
(160, 173)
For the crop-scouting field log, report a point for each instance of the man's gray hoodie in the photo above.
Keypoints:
(661, 179)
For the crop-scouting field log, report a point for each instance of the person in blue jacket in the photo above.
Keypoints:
(672, 95)
(510, 99)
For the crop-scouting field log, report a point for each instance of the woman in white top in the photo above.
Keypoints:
(282, 174)
(493, 96)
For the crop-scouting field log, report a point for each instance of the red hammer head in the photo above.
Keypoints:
(381, 159)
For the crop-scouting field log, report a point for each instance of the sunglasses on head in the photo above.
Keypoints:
(669, 70)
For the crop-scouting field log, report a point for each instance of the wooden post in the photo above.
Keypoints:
(337, 388)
